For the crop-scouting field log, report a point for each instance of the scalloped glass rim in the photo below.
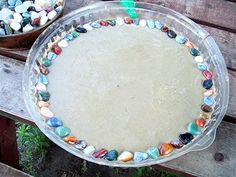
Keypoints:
(194, 32)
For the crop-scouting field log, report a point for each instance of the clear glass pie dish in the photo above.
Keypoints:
(172, 19)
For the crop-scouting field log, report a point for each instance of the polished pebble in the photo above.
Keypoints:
(44, 70)
(95, 25)
(111, 22)
(46, 112)
(185, 138)
(206, 108)
(104, 23)
(52, 14)
(15, 26)
(35, 21)
(171, 34)
(43, 20)
(201, 66)
(88, 27)
(42, 104)
(43, 95)
(28, 28)
(199, 59)
(111, 155)
(17, 17)
(125, 156)
(209, 101)
(68, 37)
(142, 23)
(188, 44)
(207, 74)
(150, 24)
(193, 129)
(194, 52)
(176, 144)
(89, 150)
(207, 84)
(200, 122)
(75, 34)
(54, 122)
(42, 79)
(153, 152)
(80, 29)
(180, 39)
(46, 62)
(159, 25)
(51, 56)
(62, 131)
(136, 21)
(34, 15)
(100, 153)
(128, 20)
(165, 149)
(56, 49)
(165, 29)
(119, 21)
(81, 145)
(63, 43)
(40, 87)
(70, 139)
(209, 92)
(140, 156)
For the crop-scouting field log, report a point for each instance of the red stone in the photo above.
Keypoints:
(165, 29)
(207, 74)
(35, 21)
(56, 49)
(200, 122)
(104, 23)
(206, 108)
(166, 148)
(176, 144)
(128, 20)
(100, 154)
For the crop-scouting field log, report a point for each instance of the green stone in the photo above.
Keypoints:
(46, 62)
(132, 13)
(44, 95)
(111, 155)
(153, 152)
(193, 129)
(62, 131)
(75, 34)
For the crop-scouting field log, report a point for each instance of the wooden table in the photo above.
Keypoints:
(218, 17)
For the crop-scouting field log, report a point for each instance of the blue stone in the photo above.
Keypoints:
(193, 129)
(194, 52)
(202, 66)
(140, 156)
(11, 2)
(207, 84)
(51, 56)
(44, 95)
(136, 21)
(26, 15)
(185, 138)
(150, 24)
(69, 37)
(153, 152)
(159, 24)
(42, 79)
(181, 39)
(54, 122)
(95, 25)
(18, 2)
(209, 100)
(2, 32)
(111, 155)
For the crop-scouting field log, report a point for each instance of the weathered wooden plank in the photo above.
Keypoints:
(217, 160)
(7, 171)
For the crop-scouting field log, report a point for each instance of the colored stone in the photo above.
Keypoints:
(111, 155)
(165, 29)
(136, 21)
(132, 13)
(51, 56)
(207, 74)
(69, 37)
(80, 29)
(176, 144)
(111, 22)
(199, 59)
(153, 152)
(34, 15)
(185, 138)
(46, 112)
(89, 150)
(194, 52)
(88, 27)
(63, 43)
(56, 49)
(201, 66)
(46, 62)
(193, 129)
(43, 95)
(142, 23)
(159, 25)
(180, 39)
(206, 108)
(104, 23)
(75, 34)
(125, 156)
(165, 149)
(17, 17)
(171, 34)
(52, 14)
(25, 21)
(11, 2)
(54, 122)
(2, 32)
(150, 24)
(119, 21)
(21, 8)
(70, 139)
(140, 156)
(209, 92)
(100, 153)
(31, 8)
(43, 104)
(128, 20)
(188, 44)
(95, 25)
(200, 122)
(42, 79)
(43, 20)
(27, 28)
(44, 70)
(62, 131)
(80, 145)
(209, 101)
(207, 84)
(40, 87)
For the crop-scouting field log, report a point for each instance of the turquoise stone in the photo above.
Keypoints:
(69, 37)
(193, 129)
(140, 156)
(194, 52)
(43, 95)
(153, 152)
(158, 24)
(180, 39)
(46, 62)
(54, 122)
(25, 21)
(201, 66)
(95, 25)
(111, 155)
(62, 131)
(75, 34)
(26, 15)
(209, 100)
(132, 13)
(51, 56)
(136, 21)
(42, 79)
(150, 24)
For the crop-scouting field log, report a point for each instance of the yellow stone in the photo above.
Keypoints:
(125, 156)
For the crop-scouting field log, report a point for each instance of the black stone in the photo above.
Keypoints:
(207, 84)
(171, 34)
(25, 21)
(206, 108)
(31, 8)
(81, 30)
(111, 22)
(185, 138)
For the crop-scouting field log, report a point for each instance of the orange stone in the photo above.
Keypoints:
(166, 148)
(70, 139)
(189, 44)
(200, 122)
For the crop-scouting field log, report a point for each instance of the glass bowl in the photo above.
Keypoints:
(172, 19)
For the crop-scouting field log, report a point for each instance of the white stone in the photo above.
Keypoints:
(43, 20)
(198, 59)
(63, 43)
(37, 7)
(42, 3)
(27, 28)
(15, 26)
(34, 15)
(21, 8)
(120, 21)
(89, 150)
(41, 13)
(88, 27)
(27, 3)
(142, 23)
(52, 14)
(41, 87)
(17, 17)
